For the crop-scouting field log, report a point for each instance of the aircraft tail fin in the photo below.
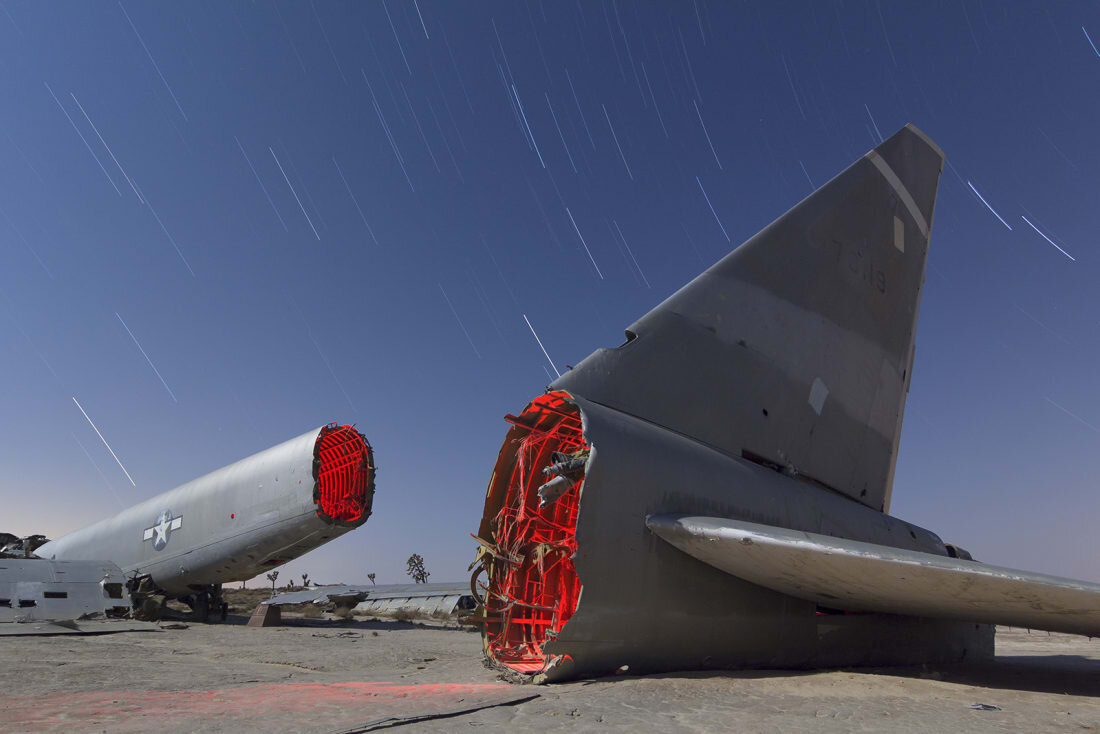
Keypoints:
(796, 349)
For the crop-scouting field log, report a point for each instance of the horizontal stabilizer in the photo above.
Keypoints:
(855, 576)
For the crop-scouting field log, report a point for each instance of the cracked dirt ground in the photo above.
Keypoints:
(334, 677)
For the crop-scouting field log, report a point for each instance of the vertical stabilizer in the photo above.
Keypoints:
(795, 349)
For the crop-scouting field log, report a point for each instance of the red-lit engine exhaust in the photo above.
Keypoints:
(529, 541)
(343, 470)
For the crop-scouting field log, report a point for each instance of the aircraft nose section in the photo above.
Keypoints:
(343, 470)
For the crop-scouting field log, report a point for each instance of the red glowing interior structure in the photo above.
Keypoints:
(533, 586)
(344, 469)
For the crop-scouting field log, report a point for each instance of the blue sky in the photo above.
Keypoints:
(307, 212)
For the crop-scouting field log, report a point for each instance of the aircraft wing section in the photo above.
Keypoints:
(856, 576)
(423, 598)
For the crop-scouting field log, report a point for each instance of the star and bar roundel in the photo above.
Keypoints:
(163, 528)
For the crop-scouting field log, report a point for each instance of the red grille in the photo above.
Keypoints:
(533, 586)
(343, 466)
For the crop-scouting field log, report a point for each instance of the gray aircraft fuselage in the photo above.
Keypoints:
(769, 390)
(238, 521)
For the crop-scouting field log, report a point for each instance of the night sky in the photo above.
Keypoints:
(223, 224)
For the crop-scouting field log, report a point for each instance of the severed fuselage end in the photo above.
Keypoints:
(715, 492)
(234, 523)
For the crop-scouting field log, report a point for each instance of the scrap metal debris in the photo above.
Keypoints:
(527, 537)
(12, 546)
(38, 590)
(44, 597)
(566, 470)
(427, 599)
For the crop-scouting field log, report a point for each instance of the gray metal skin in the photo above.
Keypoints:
(793, 352)
(37, 590)
(648, 605)
(420, 598)
(237, 522)
(861, 576)
(438, 598)
(828, 295)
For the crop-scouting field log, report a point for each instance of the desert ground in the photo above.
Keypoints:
(321, 674)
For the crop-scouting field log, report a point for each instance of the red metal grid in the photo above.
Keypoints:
(533, 595)
(345, 473)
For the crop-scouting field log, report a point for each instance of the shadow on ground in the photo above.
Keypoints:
(1074, 675)
(370, 624)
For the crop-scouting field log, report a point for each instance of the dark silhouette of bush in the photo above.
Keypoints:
(416, 569)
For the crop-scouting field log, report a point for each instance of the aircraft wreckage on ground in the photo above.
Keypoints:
(230, 525)
(427, 599)
(712, 493)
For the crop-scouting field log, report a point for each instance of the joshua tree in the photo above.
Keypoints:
(271, 577)
(305, 580)
(371, 577)
(416, 569)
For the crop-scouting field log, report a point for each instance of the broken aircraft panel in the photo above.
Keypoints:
(446, 599)
(770, 389)
(36, 590)
(423, 599)
(12, 546)
(320, 595)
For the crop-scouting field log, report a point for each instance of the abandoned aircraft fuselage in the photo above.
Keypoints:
(669, 504)
(645, 604)
(240, 520)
